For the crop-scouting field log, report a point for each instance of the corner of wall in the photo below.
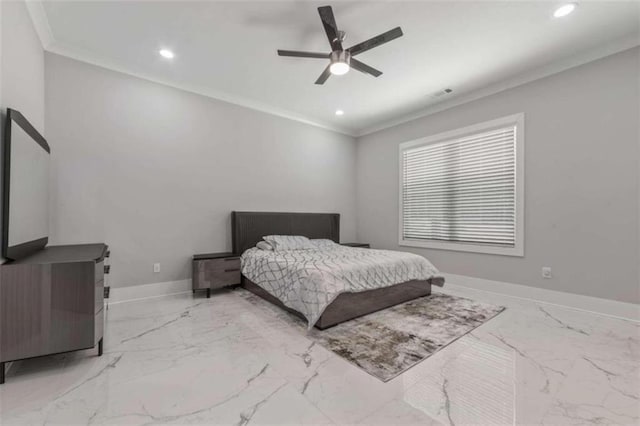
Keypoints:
(40, 23)
(22, 74)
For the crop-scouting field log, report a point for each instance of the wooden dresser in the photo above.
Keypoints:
(51, 302)
(215, 270)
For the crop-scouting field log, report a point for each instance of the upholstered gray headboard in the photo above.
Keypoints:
(247, 228)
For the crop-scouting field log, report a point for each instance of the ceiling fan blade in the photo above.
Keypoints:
(330, 27)
(364, 68)
(375, 41)
(298, 54)
(324, 76)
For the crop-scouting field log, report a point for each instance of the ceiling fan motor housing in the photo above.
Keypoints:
(340, 56)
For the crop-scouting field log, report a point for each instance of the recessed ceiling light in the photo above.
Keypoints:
(166, 53)
(564, 10)
(339, 112)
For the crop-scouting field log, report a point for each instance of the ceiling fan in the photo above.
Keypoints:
(341, 60)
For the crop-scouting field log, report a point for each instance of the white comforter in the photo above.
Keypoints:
(309, 280)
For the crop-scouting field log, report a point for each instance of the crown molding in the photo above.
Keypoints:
(40, 22)
(535, 74)
(87, 57)
(50, 44)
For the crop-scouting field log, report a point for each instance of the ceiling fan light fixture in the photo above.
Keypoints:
(339, 68)
(340, 62)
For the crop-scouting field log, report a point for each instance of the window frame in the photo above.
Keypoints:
(518, 249)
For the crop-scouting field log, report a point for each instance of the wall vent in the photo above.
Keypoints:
(441, 93)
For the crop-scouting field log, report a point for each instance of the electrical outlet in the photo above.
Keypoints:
(156, 267)
(546, 272)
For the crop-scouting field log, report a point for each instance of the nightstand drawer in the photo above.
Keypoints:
(225, 277)
(356, 245)
(215, 273)
(224, 264)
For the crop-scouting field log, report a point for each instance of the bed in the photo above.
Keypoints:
(354, 298)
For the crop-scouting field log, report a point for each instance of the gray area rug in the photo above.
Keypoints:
(389, 342)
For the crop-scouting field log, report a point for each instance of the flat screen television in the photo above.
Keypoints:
(25, 198)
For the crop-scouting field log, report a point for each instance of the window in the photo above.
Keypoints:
(463, 190)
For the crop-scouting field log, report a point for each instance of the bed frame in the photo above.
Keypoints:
(247, 228)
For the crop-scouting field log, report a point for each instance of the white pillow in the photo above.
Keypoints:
(288, 242)
(322, 243)
(263, 245)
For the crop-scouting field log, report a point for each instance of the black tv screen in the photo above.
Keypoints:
(25, 210)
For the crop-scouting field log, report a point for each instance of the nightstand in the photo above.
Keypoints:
(215, 270)
(359, 245)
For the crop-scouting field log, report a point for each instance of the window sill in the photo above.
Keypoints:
(517, 251)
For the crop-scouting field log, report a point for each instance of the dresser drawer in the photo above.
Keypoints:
(99, 296)
(99, 272)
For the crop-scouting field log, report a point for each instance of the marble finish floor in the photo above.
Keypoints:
(185, 360)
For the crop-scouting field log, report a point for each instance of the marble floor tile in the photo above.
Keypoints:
(189, 360)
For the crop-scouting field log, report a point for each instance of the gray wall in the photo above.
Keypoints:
(582, 180)
(22, 64)
(155, 171)
(21, 67)
(1, 98)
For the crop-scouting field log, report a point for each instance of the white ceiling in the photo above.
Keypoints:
(228, 49)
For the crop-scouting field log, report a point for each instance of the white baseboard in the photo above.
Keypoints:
(145, 291)
(611, 308)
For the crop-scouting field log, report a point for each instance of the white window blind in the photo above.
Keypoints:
(462, 190)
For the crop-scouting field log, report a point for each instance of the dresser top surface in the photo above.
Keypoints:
(67, 253)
